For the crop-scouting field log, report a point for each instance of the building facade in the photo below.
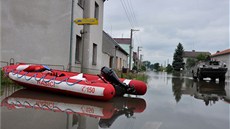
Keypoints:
(114, 56)
(42, 32)
(223, 56)
(193, 54)
(125, 44)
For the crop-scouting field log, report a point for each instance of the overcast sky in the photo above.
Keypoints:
(201, 25)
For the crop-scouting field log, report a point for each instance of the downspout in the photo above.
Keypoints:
(71, 35)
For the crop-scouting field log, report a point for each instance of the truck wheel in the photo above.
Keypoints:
(199, 75)
(222, 79)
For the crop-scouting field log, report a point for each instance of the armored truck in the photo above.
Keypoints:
(211, 69)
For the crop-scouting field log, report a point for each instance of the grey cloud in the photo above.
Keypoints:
(200, 25)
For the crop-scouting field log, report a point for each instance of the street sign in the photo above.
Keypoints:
(86, 21)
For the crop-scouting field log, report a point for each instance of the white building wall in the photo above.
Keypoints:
(36, 31)
(226, 59)
(126, 48)
(39, 32)
(93, 34)
(122, 60)
(78, 13)
(105, 60)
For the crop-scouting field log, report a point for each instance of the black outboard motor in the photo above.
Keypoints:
(110, 76)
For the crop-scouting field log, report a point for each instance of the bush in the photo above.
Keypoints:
(129, 75)
(4, 80)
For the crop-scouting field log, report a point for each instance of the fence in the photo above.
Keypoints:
(4, 63)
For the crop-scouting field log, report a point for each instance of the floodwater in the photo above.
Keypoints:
(171, 102)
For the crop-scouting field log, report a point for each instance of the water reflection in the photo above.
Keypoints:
(177, 83)
(27, 107)
(208, 91)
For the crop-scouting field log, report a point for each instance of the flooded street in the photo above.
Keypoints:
(171, 102)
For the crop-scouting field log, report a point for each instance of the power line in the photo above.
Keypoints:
(130, 14)
(126, 12)
(129, 11)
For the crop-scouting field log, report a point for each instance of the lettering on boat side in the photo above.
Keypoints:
(44, 83)
(88, 89)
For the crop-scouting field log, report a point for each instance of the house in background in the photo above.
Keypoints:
(114, 56)
(193, 54)
(223, 56)
(39, 31)
(125, 44)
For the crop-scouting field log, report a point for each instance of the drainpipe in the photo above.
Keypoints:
(71, 36)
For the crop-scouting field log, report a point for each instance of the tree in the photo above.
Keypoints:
(134, 68)
(169, 68)
(202, 57)
(151, 66)
(143, 68)
(147, 64)
(156, 66)
(190, 62)
(178, 62)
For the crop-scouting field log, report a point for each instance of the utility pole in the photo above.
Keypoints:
(141, 58)
(138, 59)
(131, 48)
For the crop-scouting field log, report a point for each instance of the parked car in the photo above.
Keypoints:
(211, 69)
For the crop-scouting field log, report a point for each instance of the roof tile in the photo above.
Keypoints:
(227, 51)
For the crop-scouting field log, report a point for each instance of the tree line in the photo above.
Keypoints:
(178, 63)
(157, 66)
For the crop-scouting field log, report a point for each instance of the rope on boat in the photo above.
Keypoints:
(69, 84)
(43, 77)
(40, 78)
(29, 77)
(50, 79)
(56, 82)
(22, 75)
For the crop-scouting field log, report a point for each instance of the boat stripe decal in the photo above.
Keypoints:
(68, 86)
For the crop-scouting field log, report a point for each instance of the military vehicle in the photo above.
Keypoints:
(211, 69)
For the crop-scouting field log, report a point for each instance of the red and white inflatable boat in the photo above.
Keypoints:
(101, 87)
